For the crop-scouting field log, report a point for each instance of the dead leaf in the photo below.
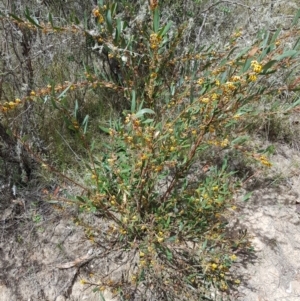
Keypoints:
(253, 51)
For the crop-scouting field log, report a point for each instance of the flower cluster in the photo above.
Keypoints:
(256, 67)
(155, 40)
(10, 105)
(265, 161)
(97, 14)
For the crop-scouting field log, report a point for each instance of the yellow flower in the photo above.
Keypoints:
(233, 257)
(200, 81)
(154, 41)
(12, 104)
(96, 12)
(82, 281)
(224, 143)
(265, 161)
(213, 266)
(214, 96)
(237, 34)
(144, 157)
(215, 188)
(205, 100)
(160, 239)
(122, 231)
(252, 77)
(236, 78)
(256, 66)
(224, 287)
(32, 93)
(230, 86)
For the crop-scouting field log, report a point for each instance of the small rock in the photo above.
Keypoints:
(60, 298)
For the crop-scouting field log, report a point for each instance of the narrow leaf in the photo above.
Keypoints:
(165, 29)
(156, 20)
(144, 111)
(296, 18)
(62, 94)
(133, 101)
(32, 20)
(104, 129)
(16, 18)
(109, 21)
(289, 53)
(247, 196)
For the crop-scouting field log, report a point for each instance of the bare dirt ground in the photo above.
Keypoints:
(272, 218)
(44, 255)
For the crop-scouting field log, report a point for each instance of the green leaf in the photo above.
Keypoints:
(133, 101)
(265, 52)
(101, 295)
(243, 52)
(62, 94)
(296, 18)
(79, 198)
(231, 51)
(268, 65)
(54, 103)
(266, 40)
(171, 239)
(240, 140)
(289, 53)
(148, 121)
(247, 65)
(85, 123)
(275, 36)
(165, 29)
(76, 108)
(296, 44)
(109, 21)
(32, 20)
(16, 18)
(169, 254)
(269, 72)
(114, 8)
(144, 111)
(104, 129)
(156, 20)
(50, 19)
(295, 104)
(118, 31)
(247, 196)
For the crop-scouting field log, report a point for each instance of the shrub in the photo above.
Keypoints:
(152, 180)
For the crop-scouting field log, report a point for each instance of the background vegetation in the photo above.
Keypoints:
(143, 107)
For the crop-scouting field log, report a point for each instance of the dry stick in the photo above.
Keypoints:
(206, 14)
(53, 169)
